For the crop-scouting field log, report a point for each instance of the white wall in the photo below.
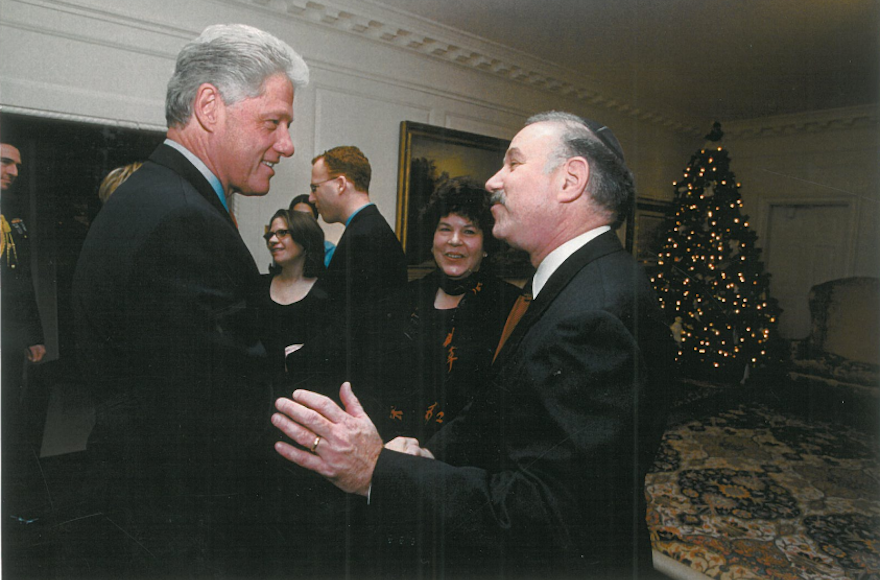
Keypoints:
(819, 175)
(108, 61)
(830, 156)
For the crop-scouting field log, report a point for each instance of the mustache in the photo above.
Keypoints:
(497, 197)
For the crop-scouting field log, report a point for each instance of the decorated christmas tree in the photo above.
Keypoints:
(709, 278)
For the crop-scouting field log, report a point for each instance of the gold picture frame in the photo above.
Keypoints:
(647, 226)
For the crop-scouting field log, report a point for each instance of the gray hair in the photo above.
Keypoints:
(611, 186)
(235, 58)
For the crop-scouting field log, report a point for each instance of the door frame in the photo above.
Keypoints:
(769, 203)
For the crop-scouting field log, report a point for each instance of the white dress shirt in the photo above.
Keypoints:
(555, 258)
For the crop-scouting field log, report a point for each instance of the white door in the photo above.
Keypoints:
(806, 244)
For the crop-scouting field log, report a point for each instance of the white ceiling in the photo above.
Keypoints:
(691, 60)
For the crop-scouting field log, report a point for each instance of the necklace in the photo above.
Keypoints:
(473, 287)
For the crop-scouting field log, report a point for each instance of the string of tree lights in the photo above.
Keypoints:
(709, 278)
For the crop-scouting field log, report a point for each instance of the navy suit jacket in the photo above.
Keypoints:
(167, 338)
(543, 475)
(161, 298)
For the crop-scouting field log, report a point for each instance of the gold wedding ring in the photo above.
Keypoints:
(315, 444)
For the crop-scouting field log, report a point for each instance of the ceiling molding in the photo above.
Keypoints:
(121, 38)
(431, 40)
(811, 122)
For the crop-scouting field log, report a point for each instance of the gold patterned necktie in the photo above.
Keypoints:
(516, 313)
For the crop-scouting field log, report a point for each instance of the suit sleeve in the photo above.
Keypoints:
(562, 457)
(22, 314)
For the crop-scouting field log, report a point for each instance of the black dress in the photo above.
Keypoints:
(446, 354)
(284, 325)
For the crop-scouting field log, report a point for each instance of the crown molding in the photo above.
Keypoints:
(120, 30)
(428, 39)
(391, 27)
(867, 116)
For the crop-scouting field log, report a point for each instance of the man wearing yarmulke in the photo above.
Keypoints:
(543, 474)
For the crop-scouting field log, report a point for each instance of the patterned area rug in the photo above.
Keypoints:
(752, 493)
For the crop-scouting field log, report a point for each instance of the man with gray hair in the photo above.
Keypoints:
(165, 330)
(543, 474)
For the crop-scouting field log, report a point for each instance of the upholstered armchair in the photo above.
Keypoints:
(837, 367)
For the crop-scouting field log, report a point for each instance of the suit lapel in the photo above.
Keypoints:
(603, 245)
(173, 159)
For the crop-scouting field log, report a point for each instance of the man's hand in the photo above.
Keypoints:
(35, 353)
(408, 445)
(344, 444)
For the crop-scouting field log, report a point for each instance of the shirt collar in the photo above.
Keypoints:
(555, 258)
(357, 211)
(203, 169)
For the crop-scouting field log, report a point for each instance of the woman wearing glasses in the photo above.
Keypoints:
(292, 310)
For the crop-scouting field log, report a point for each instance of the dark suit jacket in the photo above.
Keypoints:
(543, 476)
(21, 329)
(20, 315)
(367, 265)
(367, 272)
(166, 334)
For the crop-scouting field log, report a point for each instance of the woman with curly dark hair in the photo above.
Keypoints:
(456, 313)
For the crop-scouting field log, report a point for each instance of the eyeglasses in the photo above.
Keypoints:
(278, 233)
(313, 187)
